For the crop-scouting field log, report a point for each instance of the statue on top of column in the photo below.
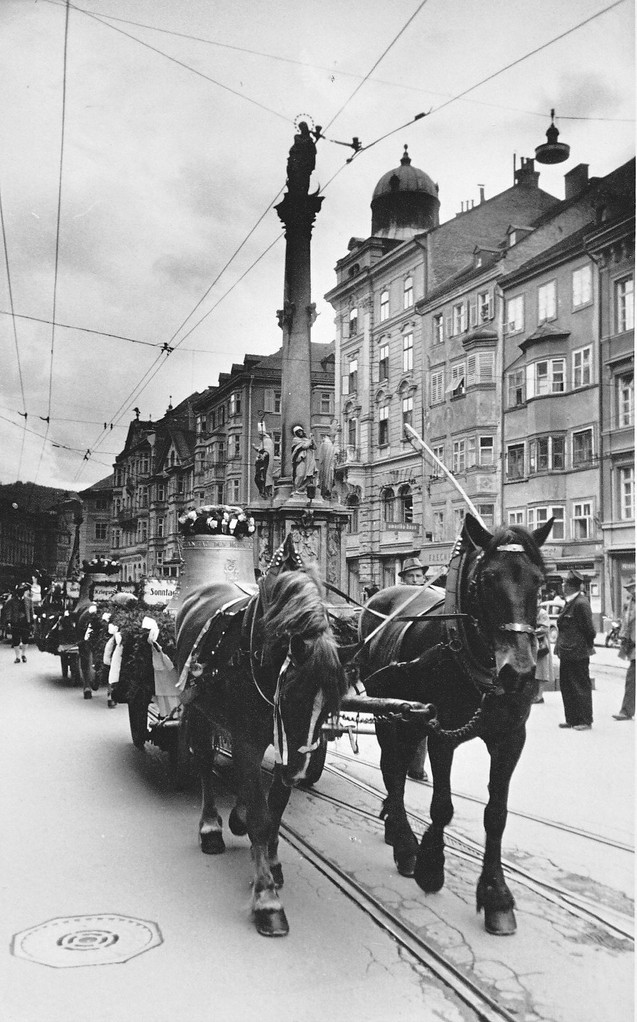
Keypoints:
(301, 161)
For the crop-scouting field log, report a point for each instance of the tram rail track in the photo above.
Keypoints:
(486, 1008)
(474, 994)
(544, 821)
(471, 851)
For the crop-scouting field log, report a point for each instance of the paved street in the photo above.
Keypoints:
(93, 828)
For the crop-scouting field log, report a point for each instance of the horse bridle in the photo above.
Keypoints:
(520, 627)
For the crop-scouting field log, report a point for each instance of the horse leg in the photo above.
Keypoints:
(269, 914)
(199, 735)
(429, 873)
(278, 798)
(492, 894)
(396, 753)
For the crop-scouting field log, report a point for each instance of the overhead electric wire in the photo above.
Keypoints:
(57, 238)
(187, 67)
(152, 370)
(331, 70)
(15, 334)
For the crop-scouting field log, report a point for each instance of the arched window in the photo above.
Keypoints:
(388, 504)
(406, 504)
(353, 504)
(384, 305)
(408, 293)
(353, 322)
(352, 432)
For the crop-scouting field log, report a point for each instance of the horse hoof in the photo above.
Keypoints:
(88, 694)
(237, 825)
(405, 865)
(500, 923)
(271, 922)
(277, 874)
(429, 881)
(212, 842)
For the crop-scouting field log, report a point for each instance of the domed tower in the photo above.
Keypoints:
(405, 202)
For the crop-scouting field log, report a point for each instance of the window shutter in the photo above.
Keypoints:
(473, 314)
(491, 308)
(449, 326)
(345, 385)
(471, 370)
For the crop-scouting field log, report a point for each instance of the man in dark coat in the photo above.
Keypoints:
(575, 643)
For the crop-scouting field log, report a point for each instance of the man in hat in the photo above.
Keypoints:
(575, 639)
(413, 572)
(627, 652)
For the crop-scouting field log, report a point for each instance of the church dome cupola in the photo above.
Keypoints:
(405, 202)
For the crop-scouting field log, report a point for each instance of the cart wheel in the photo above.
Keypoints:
(64, 664)
(138, 719)
(317, 762)
(181, 766)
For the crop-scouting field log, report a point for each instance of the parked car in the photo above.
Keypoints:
(553, 608)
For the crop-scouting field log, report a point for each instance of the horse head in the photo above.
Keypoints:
(298, 641)
(504, 578)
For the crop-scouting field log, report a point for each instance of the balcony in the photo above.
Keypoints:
(127, 516)
(350, 455)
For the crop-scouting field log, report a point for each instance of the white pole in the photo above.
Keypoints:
(413, 436)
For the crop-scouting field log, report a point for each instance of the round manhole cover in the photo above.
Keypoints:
(86, 940)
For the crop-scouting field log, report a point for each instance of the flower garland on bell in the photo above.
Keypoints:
(100, 566)
(217, 520)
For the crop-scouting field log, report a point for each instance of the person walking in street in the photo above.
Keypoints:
(414, 573)
(627, 652)
(544, 673)
(18, 615)
(575, 643)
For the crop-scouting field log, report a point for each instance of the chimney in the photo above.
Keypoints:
(576, 181)
(526, 175)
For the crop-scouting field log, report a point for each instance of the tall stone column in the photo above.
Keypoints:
(297, 211)
(317, 526)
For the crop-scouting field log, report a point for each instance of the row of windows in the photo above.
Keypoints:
(549, 454)
(271, 403)
(582, 518)
(349, 382)
(548, 376)
(546, 303)
(477, 369)
(385, 312)
(463, 316)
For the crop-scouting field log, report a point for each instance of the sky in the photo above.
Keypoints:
(143, 145)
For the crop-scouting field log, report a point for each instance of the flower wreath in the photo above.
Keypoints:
(100, 566)
(217, 520)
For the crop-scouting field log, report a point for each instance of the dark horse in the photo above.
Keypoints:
(266, 667)
(470, 650)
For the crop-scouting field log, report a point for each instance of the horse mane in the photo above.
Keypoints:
(517, 534)
(297, 608)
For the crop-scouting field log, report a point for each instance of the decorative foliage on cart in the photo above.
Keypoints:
(217, 520)
(136, 669)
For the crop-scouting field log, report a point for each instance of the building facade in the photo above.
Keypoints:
(409, 338)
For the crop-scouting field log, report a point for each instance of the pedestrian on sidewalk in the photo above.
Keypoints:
(18, 615)
(574, 646)
(544, 673)
(627, 652)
